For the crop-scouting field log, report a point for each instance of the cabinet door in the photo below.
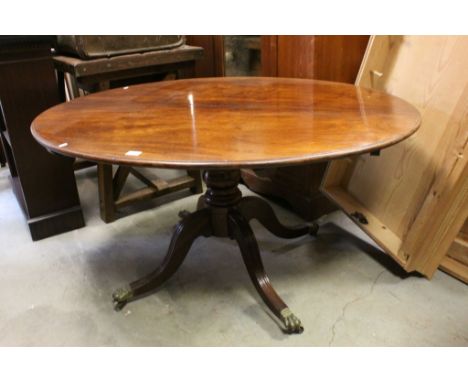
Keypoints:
(414, 196)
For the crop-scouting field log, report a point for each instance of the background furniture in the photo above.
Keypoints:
(322, 56)
(331, 58)
(253, 114)
(85, 76)
(2, 155)
(456, 261)
(105, 73)
(242, 55)
(413, 198)
(104, 46)
(44, 184)
(212, 62)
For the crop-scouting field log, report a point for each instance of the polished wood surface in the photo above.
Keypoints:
(212, 62)
(223, 124)
(223, 212)
(328, 58)
(226, 123)
(93, 75)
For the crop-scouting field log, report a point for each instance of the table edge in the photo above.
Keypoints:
(283, 162)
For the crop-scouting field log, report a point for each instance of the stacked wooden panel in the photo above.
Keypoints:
(414, 196)
(456, 261)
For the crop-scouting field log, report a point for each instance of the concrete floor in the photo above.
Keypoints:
(346, 292)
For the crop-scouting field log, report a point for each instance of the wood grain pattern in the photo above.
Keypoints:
(331, 58)
(226, 123)
(455, 268)
(418, 189)
(269, 55)
(456, 261)
(223, 212)
(212, 62)
(459, 250)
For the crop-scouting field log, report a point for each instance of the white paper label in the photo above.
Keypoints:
(132, 153)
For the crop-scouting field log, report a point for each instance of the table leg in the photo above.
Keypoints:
(188, 229)
(198, 187)
(222, 212)
(253, 207)
(243, 234)
(106, 193)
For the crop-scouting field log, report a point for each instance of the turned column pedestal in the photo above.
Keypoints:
(223, 212)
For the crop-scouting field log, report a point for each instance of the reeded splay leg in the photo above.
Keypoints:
(201, 203)
(253, 207)
(192, 226)
(243, 234)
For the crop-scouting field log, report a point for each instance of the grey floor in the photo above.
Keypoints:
(346, 292)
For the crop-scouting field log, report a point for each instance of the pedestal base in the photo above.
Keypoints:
(223, 212)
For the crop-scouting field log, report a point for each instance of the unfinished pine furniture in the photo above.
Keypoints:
(221, 125)
(44, 185)
(84, 76)
(456, 261)
(413, 198)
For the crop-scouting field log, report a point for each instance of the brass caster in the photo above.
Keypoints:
(291, 322)
(118, 306)
(313, 229)
(120, 298)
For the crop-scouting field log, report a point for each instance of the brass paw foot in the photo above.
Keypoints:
(120, 298)
(313, 229)
(291, 322)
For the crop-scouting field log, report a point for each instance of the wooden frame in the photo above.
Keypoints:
(111, 185)
(456, 261)
(414, 196)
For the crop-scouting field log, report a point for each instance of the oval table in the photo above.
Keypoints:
(220, 125)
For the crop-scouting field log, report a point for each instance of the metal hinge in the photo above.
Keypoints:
(359, 217)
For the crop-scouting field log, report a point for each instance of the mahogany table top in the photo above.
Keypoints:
(225, 123)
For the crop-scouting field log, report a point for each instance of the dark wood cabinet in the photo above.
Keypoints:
(212, 63)
(2, 155)
(331, 58)
(44, 184)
